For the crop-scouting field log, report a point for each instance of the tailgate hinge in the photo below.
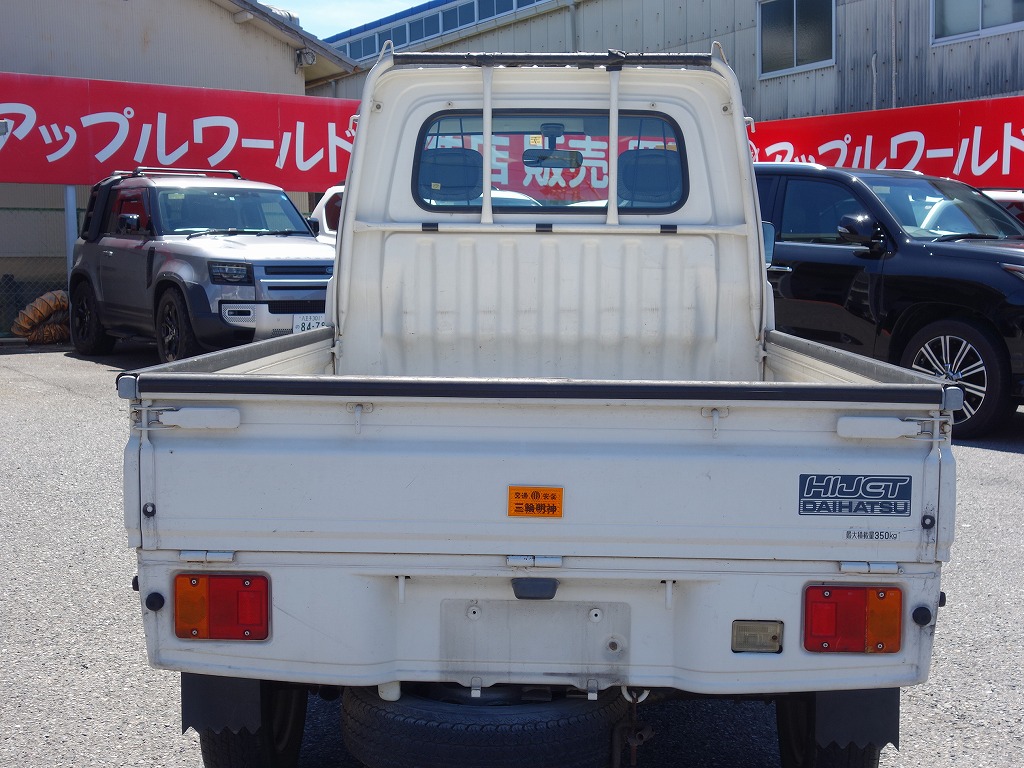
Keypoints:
(205, 556)
(534, 561)
(849, 566)
(890, 427)
(146, 419)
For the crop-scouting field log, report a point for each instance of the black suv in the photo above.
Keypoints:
(196, 260)
(916, 270)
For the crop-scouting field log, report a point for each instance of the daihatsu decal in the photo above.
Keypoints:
(882, 495)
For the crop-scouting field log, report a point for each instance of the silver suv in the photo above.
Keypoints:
(198, 260)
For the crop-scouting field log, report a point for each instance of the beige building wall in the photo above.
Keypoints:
(166, 42)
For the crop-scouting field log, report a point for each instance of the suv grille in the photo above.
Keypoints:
(299, 270)
(296, 307)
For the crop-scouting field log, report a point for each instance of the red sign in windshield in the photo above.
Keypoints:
(60, 130)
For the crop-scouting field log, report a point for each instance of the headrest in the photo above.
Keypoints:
(451, 175)
(651, 177)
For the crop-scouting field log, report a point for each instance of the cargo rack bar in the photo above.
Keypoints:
(148, 170)
(582, 60)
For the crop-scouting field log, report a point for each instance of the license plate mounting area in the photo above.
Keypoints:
(504, 640)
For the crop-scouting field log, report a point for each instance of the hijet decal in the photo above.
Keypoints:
(856, 495)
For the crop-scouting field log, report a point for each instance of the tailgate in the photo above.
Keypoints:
(539, 468)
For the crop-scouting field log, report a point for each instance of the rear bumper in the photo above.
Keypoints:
(369, 620)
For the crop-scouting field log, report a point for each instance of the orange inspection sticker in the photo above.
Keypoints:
(534, 501)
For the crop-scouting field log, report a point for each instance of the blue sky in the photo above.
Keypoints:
(324, 18)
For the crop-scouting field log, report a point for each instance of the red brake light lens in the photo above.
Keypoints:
(841, 619)
(221, 607)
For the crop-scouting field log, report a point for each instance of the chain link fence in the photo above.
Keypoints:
(32, 259)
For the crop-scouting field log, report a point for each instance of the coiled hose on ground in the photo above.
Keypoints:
(45, 320)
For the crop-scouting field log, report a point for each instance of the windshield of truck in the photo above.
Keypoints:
(558, 161)
(940, 209)
(210, 209)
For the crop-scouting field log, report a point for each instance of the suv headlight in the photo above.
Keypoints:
(226, 273)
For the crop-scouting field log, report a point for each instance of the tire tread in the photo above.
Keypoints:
(395, 735)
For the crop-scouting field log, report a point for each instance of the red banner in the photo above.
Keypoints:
(59, 130)
(978, 142)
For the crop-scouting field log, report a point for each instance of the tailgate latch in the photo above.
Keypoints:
(715, 414)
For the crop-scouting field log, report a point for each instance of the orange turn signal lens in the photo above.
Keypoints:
(842, 619)
(221, 607)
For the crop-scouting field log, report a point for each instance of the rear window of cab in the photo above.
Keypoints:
(550, 161)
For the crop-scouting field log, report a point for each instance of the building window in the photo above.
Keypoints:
(795, 34)
(451, 16)
(399, 36)
(491, 8)
(970, 18)
(366, 47)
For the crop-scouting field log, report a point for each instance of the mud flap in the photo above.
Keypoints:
(216, 703)
(858, 717)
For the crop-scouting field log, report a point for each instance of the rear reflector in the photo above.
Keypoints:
(221, 607)
(853, 619)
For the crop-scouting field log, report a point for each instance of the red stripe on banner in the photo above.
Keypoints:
(62, 130)
(978, 142)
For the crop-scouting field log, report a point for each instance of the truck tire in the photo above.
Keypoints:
(276, 742)
(798, 747)
(175, 337)
(964, 352)
(87, 333)
(426, 729)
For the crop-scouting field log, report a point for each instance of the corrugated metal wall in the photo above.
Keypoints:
(868, 34)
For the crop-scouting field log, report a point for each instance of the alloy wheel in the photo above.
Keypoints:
(959, 362)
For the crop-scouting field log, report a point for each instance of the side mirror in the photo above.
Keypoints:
(858, 228)
(314, 224)
(128, 224)
(768, 235)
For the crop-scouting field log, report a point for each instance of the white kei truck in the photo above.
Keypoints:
(549, 460)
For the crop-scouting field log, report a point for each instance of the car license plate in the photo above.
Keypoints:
(306, 322)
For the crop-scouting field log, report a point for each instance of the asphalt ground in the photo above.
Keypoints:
(76, 689)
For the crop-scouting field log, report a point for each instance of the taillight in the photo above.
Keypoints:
(221, 607)
(853, 619)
